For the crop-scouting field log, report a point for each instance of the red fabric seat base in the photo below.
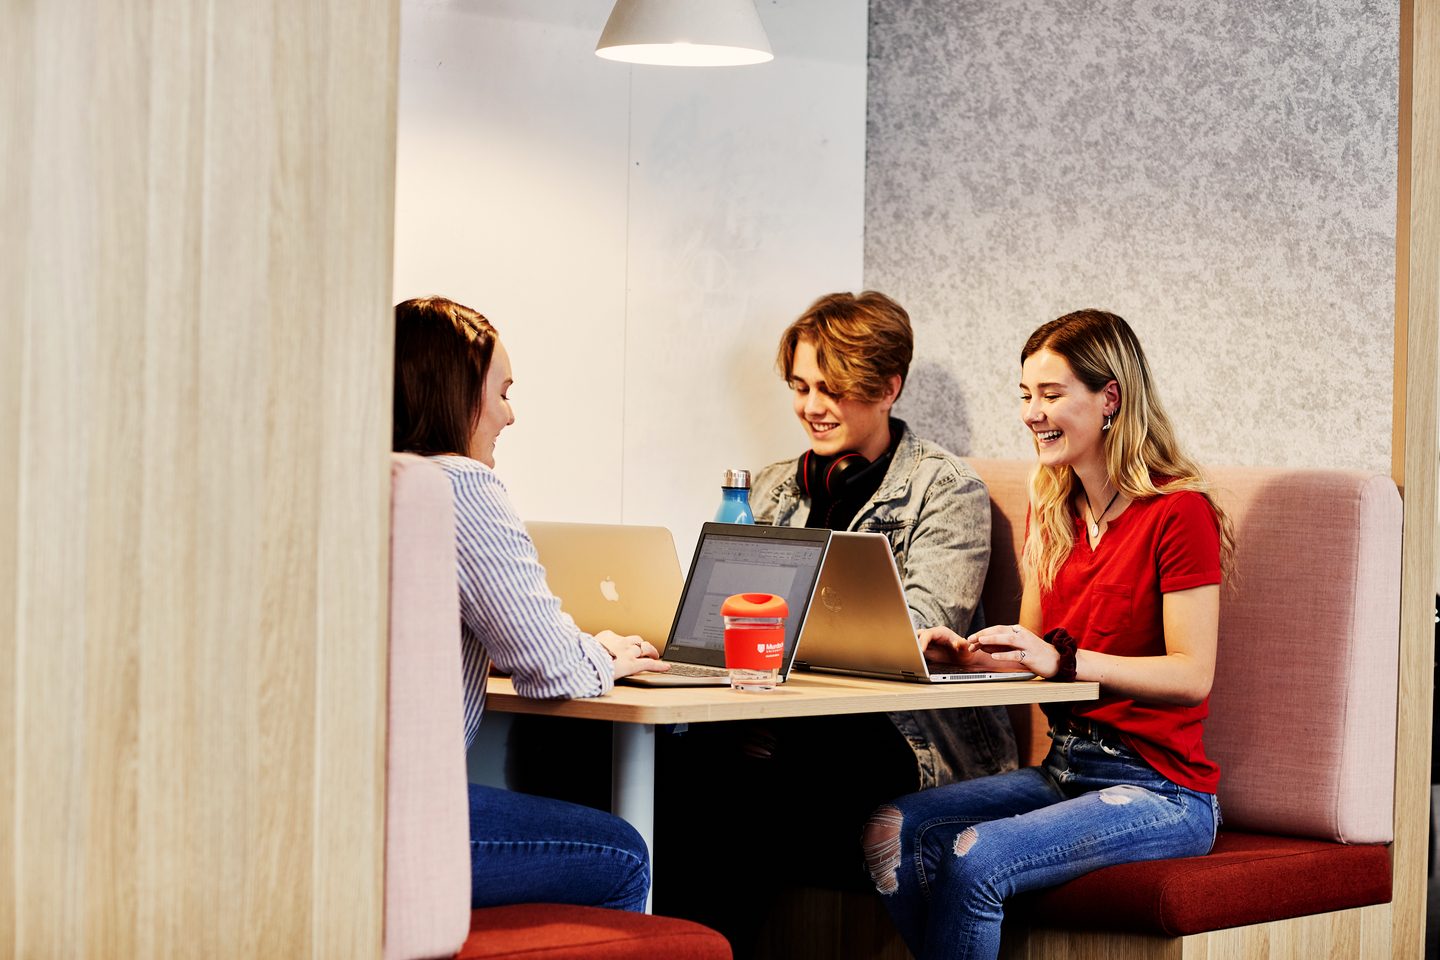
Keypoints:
(1248, 878)
(552, 931)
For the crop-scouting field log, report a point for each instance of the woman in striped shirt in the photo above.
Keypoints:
(452, 376)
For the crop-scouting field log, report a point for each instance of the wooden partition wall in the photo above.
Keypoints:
(195, 342)
(1416, 451)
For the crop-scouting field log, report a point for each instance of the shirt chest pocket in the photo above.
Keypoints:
(1109, 609)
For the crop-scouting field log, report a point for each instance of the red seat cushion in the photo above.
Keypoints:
(1248, 878)
(552, 931)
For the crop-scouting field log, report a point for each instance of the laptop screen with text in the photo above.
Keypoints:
(738, 558)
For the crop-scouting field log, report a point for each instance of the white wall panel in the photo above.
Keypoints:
(640, 235)
(510, 197)
(747, 202)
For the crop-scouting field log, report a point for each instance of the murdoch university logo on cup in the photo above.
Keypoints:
(757, 647)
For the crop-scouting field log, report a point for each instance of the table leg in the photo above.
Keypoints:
(632, 784)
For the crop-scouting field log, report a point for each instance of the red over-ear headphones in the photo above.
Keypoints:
(827, 476)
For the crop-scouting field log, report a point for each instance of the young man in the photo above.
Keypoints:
(846, 359)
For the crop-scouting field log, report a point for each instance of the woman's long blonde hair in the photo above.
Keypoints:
(1140, 446)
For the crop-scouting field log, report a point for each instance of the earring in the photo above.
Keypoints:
(1109, 419)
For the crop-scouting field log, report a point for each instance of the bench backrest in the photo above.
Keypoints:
(1302, 713)
(427, 820)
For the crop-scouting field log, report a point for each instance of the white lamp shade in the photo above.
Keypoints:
(685, 33)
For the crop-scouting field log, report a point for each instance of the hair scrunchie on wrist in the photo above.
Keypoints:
(1065, 645)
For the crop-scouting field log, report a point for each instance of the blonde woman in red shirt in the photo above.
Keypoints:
(1122, 569)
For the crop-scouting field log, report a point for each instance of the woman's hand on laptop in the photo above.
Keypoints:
(1013, 647)
(631, 654)
(944, 646)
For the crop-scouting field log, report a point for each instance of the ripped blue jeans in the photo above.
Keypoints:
(962, 849)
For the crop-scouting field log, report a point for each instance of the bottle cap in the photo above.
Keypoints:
(754, 605)
(737, 478)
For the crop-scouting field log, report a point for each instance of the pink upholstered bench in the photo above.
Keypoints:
(427, 857)
(1302, 721)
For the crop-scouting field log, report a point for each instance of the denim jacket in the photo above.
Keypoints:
(935, 512)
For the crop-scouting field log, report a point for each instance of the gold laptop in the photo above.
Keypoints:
(860, 624)
(611, 576)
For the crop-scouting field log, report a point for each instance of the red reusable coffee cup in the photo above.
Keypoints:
(754, 639)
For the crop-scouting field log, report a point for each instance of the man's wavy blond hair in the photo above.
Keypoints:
(860, 341)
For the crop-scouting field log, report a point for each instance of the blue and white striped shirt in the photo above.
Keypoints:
(507, 612)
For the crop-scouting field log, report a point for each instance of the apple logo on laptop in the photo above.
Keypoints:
(609, 591)
(832, 599)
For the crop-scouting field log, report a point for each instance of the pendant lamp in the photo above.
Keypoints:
(685, 33)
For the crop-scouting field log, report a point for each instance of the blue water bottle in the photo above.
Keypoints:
(735, 498)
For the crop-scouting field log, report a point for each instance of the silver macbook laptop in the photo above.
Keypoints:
(735, 558)
(860, 624)
(611, 576)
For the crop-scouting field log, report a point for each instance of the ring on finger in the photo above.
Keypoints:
(1014, 628)
(1022, 654)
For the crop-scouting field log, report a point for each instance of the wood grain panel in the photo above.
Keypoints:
(1417, 345)
(196, 272)
(56, 407)
(107, 470)
(1377, 926)
(182, 825)
(809, 922)
(17, 67)
(356, 211)
(1043, 944)
(1364, 932)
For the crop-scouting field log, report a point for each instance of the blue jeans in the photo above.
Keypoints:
(526, 849)
(960, 850)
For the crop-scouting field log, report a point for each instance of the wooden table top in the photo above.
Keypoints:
(804, 694)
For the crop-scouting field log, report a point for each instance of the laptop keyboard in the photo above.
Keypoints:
(694, 670)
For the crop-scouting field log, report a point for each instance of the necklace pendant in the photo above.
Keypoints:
(1094, 529)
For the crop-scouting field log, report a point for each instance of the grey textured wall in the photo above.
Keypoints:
(1221, 174)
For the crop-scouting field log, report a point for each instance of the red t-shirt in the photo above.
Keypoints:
(1109, 599)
